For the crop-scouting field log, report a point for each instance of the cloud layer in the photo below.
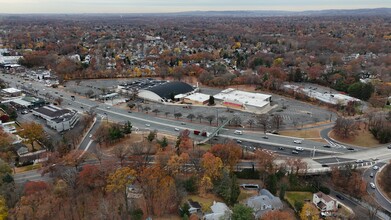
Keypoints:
(135, 6)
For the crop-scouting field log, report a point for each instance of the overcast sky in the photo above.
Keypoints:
(137, 6)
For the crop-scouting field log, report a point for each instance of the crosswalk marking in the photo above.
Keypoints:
(333, 144)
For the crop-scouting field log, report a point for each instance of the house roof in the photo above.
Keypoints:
(325, 197)
(194, 204)
(167, 89)
(52, 111)
(219, 207)
(321, 205)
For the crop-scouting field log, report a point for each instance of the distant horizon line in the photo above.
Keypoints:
(198, 11)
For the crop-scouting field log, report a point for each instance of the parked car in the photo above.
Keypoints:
(389, 146)
(297, 141)
(371, 175)
(375, 167)
(359, 161)
(372, 185)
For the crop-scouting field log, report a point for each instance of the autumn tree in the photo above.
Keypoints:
(309, 212)
(229, 153)
(159, 190)
(3, 208)
(119, 182)
(191, 117)
(211, 165)
(32, 132)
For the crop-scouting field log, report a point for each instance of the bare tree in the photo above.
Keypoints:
(200, 117)
(222, 119)
(263, 121)
(236, 120)
(191, 116)
(277, 121)
(167, 113)
(210, 118)
(178, 115)
(251, 122)
(345, 127)
(121, 152)
(156, 111)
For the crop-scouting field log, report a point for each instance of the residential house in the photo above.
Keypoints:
(264, 202)
(219, 211)
(324, 202)
(195, 207)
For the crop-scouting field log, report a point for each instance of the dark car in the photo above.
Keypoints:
(281, 148)
(389, 147)
(325, 165)
(350, 148)
(326, 146)
(340, 197)
(265, 137)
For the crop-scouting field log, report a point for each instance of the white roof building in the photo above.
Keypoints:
(243, 99)
(198, 97)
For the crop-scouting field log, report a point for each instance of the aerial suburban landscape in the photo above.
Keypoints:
(195, 114)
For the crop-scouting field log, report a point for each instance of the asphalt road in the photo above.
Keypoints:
(383, 202)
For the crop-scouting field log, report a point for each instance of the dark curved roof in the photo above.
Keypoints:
(165, 90)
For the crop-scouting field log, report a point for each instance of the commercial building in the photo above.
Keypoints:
(11, 92)
(57, 118)
(243, 100)
(196, 98)
(28, 102)
(166, 91)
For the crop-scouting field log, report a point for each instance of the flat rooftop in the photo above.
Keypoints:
(198, 97)
(52, 111)
(245, 98)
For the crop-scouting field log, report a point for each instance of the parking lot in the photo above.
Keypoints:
(294, 113)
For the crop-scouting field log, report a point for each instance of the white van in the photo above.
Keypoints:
(299, 148)
(238, 132)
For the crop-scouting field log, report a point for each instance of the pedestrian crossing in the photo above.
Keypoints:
(334, 144)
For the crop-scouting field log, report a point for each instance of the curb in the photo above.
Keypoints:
(85, 134)
(380, 189)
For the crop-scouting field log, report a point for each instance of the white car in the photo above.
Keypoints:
(176, 129)
(90, 136)
(375, 167)
(108, 107)
(359, 161)
(148, 125)
(238, 141)
(238, 132)
(297, 141)
(372, 185)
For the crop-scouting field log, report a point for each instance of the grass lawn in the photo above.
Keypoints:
(291, 197)
(364, 138)
(27, 168)
(383, 180)
(206, 202)
(245, 194)
(313, 133)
